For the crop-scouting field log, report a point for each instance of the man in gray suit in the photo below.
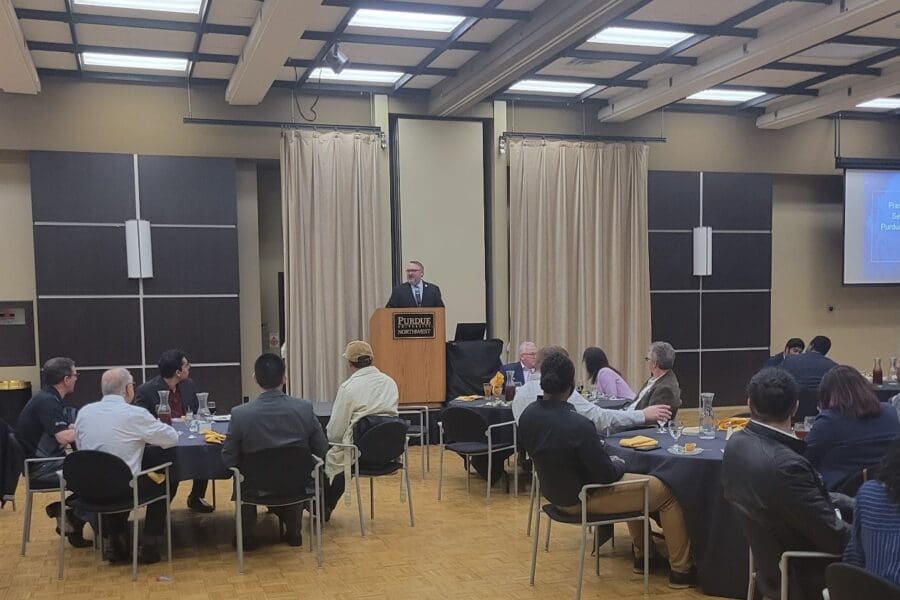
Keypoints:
(273, 420)
(662, 386)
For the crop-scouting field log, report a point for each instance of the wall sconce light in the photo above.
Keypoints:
(702, 251)
(139, 249)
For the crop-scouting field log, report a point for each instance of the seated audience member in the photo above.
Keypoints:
(524, 368)
(367, 392)
(662, 387)
(875, 536)
(793, 346)
(808, 369)
(777, 493)
(605, 420)
(116, 427)
(174, 377)
(604, 378)
(853, 430)
(568, 454)
(43, 431)
(273, 420)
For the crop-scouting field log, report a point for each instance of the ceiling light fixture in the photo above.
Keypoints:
(726, 96)
(570, 88)
(176, 6)
(125, 61)
(412, 21)
(886, 103)
(356, 75)
(630, 36)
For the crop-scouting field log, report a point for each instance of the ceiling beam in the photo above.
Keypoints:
(781, 39)
(273, 37)
(816, 68)
(71, 49)
(862, 40)
(442, 9)
(728, 30)
(307, 63)
(555, 25)
(391, 40)
(139, 23)
(843, 97)
(198, 38)
(630, 57)
(17, 71)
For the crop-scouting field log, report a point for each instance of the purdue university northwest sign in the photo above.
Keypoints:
(413, 325)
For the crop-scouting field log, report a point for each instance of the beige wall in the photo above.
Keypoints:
(807, 238)
(248, 271)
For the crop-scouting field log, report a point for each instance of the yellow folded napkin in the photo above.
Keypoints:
(156, 478)
(469, 398)
(213, 437)
(735, 423)
(497, 383)
(638, 441)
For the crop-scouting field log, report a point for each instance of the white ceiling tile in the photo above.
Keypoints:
(619, 48)
(205, 70)
(658, 71)
(326, 18)
(843, 53)
(520, 4)
(424, 82)
(425, 35)
(133, 37)
(234, 12)
(785, 11)
(718, 43)
(217, 43)
(487, 30)
(691, 11)
(306, 49)
(889, 27)
(46, 31)
(576, 67)
(387, 55)
(141, 14)
(55, 5)
(453, 59)
(773, 78)
(53, 60)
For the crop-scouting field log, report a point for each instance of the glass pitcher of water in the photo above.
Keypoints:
(204, 417)
(707, 417)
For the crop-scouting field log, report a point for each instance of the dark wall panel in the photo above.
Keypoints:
(87, 389)
(188, 190)
(207, 329)
(82, 187)
(737, 201)
(673, 199)
(76, 260)
(194, 261)
(94, 332)
(222, 383)
(738, 320)
(17, 340)
(676, 319)
(726, 374)
(687, 369)
(671, 262)
(741, 261)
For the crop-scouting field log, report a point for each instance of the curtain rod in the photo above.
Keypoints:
(585, 138)
(280, 124)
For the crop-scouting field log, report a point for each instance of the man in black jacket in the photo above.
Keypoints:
(808, 369)
(174, 377)
(779, 497)
(416, 292)
(568, 454)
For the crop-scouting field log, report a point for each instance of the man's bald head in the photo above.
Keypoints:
(118, 382)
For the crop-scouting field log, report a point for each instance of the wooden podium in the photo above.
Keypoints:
(409, 345)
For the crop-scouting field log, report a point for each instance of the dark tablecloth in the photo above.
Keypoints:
(886, 391)
(719, 547)
(323, 412)
(493, 415)
(192, 458)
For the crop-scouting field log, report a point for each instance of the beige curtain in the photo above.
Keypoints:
(332, 222)
(579, 266)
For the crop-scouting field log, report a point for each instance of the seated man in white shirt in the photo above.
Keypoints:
(605, 420)
(116, 427)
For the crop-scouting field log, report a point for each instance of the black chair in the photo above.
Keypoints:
(849, 582)
(102, 483)
(850, 486)
(279, 477)
(468, 429)
(32, 486)
(420, 431)
(380, 448)
(808, 405)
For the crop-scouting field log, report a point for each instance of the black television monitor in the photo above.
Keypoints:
(467, 332)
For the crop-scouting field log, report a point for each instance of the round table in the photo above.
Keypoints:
(192, 457)
(717, 542)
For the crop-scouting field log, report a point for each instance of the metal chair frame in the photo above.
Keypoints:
(489, 433)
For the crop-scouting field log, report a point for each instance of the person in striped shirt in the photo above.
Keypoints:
(875, 538)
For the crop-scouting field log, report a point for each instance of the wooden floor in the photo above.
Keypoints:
(462, 547)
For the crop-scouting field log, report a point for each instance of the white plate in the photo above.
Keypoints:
(672, 450)
(220, 418)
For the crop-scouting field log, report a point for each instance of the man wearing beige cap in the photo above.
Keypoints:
(367, 392)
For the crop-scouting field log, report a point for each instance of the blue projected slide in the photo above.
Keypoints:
(871, 227)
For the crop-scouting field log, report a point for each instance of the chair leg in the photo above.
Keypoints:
(213, 486)
(647, 550)
(372, 498)
(362, 526)
(581, 563)
(422, 447)
(239, 527)
(751, 580)
(547, 541)
(440, 471)
(468, 479)
(409, 499)
(26, 527)
(531, 504)
(597, 549)
(490, 472)
(534, 545)
(61, 524)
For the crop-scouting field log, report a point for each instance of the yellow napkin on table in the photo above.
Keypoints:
(468, 398)
(213, 437)
(735, 423)
(497, 383)
(638, 441)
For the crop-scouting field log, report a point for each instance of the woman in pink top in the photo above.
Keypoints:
(604, 378)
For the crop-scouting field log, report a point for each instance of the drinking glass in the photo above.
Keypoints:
(675, 429)
(808, 423)
(661, 423)
(189, 419)
(211, 405)
(488, 390)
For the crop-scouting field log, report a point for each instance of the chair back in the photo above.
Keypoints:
(851, 485)
(463, 424)
(849, 582)
(382, 442)
(97, 476)
(283, 471)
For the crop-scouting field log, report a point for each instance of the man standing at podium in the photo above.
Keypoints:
(416, 292)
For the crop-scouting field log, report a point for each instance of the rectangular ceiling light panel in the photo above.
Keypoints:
(630, 36)
(407, 21)
(191, 7)
(356, 76)
(726, 96)
(124, 61)
(571, 88)
(885, 103)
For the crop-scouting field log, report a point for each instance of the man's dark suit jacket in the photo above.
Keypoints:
(402, 296)
(146, 395)
(665, 391)
(808, 369)
(516, 368)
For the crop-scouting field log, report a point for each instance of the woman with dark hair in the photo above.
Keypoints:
(875, 538)
(604, 378)
(853, 429)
